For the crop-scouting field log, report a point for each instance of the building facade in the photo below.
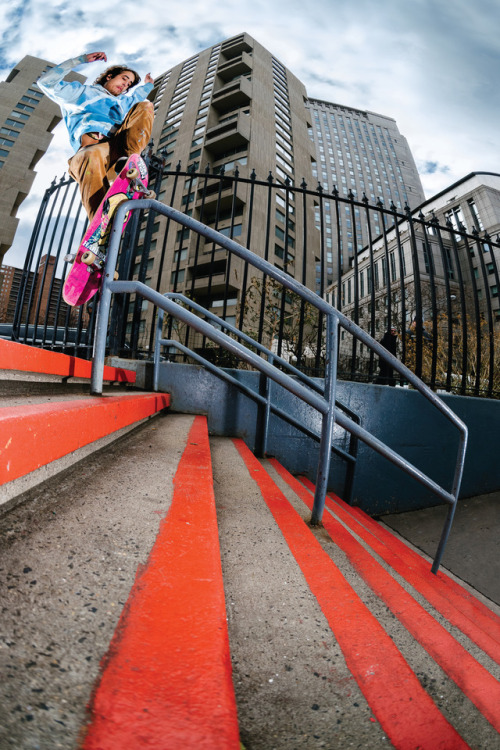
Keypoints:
(44, 287)
(436, 275)
(236, 111)
(27, 121)
(360, 153)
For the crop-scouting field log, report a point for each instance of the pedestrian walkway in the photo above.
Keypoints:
(472, 551)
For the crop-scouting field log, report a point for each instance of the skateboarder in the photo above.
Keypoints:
(105, 122)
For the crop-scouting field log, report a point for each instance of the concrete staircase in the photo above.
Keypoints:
(48, 418)
(166, 591)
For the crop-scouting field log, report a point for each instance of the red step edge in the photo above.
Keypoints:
(407, 714)
(457, 604)
(14, 356)
(33, 436)
(451, 589)
(166, 681)
(480, 687)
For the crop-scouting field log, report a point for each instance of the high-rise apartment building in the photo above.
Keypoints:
(365, 153)
(27, 121)
(232, 106)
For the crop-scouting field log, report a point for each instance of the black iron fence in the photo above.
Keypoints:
(426, 285)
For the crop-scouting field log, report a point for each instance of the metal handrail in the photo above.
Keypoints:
(220, 322)
(325, 405)
(265, 401)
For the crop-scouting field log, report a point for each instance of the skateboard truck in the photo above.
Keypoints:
(95, 262)
(137, 184)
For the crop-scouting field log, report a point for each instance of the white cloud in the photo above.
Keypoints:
(429, 64)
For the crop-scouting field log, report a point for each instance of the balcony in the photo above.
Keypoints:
(236, 66)
(232, 95)
(228, 135)
(234, 47)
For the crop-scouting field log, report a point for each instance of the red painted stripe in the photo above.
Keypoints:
(405, 711)
(457, 594)
(459, 597)
(33, 436)
(14, 356)
(474, 680)
(471, 621)
(166, 682)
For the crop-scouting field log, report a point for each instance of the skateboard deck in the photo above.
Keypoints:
(85, 275)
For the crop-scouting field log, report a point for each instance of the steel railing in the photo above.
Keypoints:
(435, 281)
(325, 404)
(264, 400)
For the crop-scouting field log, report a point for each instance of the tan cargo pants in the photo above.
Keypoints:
(93, 166)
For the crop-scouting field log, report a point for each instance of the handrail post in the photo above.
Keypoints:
(103, 309)
(157, 349)
(328, 422)
(457, 480)
(263, 413)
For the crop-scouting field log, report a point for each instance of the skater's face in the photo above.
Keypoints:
(120, 83)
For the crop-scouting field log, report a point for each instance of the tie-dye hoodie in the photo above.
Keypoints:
(88, 108)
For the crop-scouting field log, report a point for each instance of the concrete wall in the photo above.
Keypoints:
(402, 418)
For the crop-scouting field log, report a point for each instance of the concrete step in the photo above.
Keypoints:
(48, 420)
(20, 358)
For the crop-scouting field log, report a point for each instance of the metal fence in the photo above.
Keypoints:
(430, 279)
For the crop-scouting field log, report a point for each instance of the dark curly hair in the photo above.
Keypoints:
(114, 71)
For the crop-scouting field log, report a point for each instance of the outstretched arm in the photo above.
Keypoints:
(148, 78)
(52, 82)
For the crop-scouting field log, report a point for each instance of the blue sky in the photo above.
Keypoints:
(432, 65)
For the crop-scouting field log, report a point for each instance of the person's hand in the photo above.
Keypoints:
(148, 78)
(94, 56)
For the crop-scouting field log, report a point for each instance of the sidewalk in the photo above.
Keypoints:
(472, 549)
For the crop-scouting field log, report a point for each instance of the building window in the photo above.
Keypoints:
(392, 260)
(475, 215)
(428, 259)
(19, 116)
(25, 107)
(220, 302)
(180, 254)
(236, 231)
(29, 100)
(280, 216)
(448, 263)
(456, 217)
(177, 276)
(8, 131)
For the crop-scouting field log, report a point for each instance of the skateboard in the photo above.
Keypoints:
(85, 275)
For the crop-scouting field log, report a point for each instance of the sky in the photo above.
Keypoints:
(432, 65)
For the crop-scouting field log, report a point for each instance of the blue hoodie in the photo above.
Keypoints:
(88, 108)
